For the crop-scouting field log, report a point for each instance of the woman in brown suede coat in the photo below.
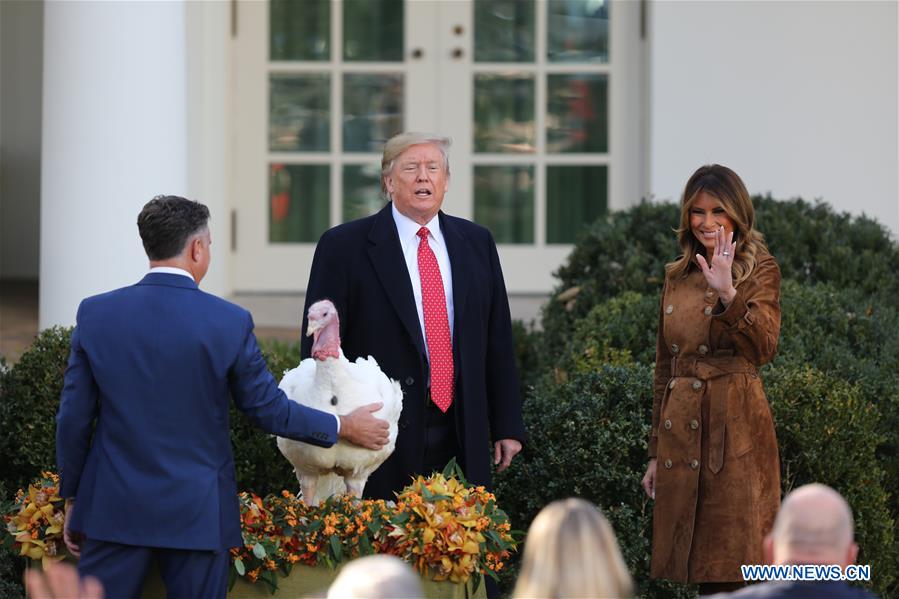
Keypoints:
(714, 470)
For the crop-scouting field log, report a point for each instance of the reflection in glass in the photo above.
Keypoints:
(577, 113)
(577, 31)
(504, 202)
(299, 112)
(372, 110)
(504, 113)
(361, 191)
(299, 204)
(300, 30)
(504, 31)
(575, 196)
(373, 30)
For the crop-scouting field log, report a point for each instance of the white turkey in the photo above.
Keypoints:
(329, 382)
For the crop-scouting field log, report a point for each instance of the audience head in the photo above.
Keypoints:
(376, 577)
(175, 232)
(571, 551)
(813, 526)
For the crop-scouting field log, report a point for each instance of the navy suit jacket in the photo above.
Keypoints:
(359, 265)
(142, 433)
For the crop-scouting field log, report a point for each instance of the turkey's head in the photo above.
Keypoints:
(324, 326)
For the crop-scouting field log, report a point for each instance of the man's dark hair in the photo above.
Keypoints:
(167, 222)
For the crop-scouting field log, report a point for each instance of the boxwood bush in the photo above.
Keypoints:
(628, 250)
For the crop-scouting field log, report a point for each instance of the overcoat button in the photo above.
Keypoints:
(671, 384)
(667, 463)
(708, 310)
(674, 348)
(697, 385)
(703, 349)
(709, 292)
(694, 464)
(669, 309)
(694, 424)
(409, 381)
(667, 425)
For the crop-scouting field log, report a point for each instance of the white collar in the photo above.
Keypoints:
(407, 229)
(171, 270)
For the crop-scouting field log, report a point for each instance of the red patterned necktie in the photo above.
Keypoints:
(437, 333)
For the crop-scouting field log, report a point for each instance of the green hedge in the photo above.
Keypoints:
(588, 439)
(628, 250)
(29, 399)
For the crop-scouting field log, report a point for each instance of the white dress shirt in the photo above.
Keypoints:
(171, 270)
(409, 240)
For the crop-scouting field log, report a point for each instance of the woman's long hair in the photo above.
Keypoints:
(571, 551)
(727, 187)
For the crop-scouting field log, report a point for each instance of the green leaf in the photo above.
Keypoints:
(335, 547)
(238, 565)
(365, 546)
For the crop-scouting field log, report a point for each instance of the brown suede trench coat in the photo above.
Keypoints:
(718, 473)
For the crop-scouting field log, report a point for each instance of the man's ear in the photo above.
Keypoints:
(196, 249)
(851, 555)
(388, 185)
(768, 549)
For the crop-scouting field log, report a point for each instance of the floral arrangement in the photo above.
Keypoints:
(446, 529)
(36, 519)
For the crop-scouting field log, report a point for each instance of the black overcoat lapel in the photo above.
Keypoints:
(390, 266)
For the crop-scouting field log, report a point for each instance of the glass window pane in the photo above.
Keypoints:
(373, 30)
(299, 112)
(503, 113)
(372, 110)
(577, 31)
(299, 202)
(361, 191)
(504, 31)
(577, 113)
(300, 30)
(504, 202)
(575, 197)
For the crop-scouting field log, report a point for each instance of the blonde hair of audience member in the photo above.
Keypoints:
(571, 551)
(813, 526)
(376, 577)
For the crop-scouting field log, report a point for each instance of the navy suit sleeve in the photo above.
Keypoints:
(257, 395)
(327, 280)
(78, 408)
(501, 372)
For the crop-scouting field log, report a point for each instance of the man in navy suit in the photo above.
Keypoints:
(813, 527)
(142, 437)
(460, 395)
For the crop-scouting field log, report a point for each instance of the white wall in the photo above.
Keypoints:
(799, 98)
(21, 24)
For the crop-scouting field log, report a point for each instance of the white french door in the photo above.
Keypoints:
(541, 98)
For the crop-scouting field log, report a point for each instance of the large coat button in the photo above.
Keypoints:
(667, 425)
(668, 464)
(708, 310)
(697, 384)
(694, 464)
(669, 309)
(674, 348)
(671, 384)
(703, 350)
(694, 424)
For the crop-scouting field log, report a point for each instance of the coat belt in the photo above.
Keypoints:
(707, 369)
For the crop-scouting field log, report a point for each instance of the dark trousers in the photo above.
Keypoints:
(441, 441)
(186, 573)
